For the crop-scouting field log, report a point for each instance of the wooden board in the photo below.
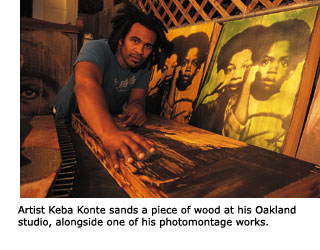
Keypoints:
(309, 147)
(40, 155)
(260, 78)
(176, 79)
(46, 65)
(192, 162)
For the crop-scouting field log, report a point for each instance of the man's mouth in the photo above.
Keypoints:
(136, 59)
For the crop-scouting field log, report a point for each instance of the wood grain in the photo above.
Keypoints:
(192, 162)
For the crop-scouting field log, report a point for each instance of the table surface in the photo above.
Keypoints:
(191, 162)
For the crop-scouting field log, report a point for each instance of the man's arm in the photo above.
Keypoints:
(94, 109)
(135, 110)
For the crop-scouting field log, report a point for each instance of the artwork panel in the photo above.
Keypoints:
(309, 149)
(176, 79)
(45, 68)
(254, 76)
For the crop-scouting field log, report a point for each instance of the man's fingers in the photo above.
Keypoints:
(123, 115)
(126, 153)
(135, 149)
(148, 145)
(142, 121)
(130, 120)
(114, 159)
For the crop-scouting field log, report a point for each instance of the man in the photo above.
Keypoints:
(235, 58)
(260, 114)
(107, 73)
(178, 105)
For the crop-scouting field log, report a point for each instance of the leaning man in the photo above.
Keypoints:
(107, 73)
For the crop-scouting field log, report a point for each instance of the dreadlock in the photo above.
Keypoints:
(129, 15)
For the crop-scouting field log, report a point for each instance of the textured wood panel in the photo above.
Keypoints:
(192, 162)
(275, 121)
(309, 149)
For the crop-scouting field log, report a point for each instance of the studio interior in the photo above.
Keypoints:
(230, 99)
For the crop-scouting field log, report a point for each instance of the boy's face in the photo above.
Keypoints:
(169, 66)
(137, 46)
(190, 64)
(239, 63)
(274, 68)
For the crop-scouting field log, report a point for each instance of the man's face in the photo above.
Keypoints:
(189, 67)
(274, 68)
(240, 62)
(169, 67)
(36, 96)
(137, 46)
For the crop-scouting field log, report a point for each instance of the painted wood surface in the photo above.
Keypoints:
(260, 79)
(39, 155)
(176, 79)
(46, 63)
(309, 147)
(191, 162)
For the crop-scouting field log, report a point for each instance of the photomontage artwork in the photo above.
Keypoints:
(45, 65)
(309, 147)
(253, 79)
(175, 80)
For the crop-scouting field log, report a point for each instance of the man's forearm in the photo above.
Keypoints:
(94, 109)
(138, 101)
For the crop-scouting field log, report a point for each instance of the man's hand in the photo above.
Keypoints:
(134, 114)
(124, 141)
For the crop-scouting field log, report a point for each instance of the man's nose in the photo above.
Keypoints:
(140, 49)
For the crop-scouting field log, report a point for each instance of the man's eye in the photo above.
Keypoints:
(149, 47)
(29, 94)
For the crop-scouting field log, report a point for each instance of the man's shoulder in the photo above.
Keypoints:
(100, 46)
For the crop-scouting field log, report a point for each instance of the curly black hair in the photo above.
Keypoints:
(130, 15)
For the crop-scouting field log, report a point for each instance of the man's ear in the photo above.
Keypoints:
(120, 42)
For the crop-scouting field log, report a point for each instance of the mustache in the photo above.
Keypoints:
(137, 56)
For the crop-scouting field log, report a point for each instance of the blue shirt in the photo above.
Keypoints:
(117, 82)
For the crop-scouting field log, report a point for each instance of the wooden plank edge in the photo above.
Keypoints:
(308, 187)
(126, 179)
(301, 105)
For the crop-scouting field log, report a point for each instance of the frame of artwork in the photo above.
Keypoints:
(46, 59)
(260, 78)
(309, 149)
(176, 79)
